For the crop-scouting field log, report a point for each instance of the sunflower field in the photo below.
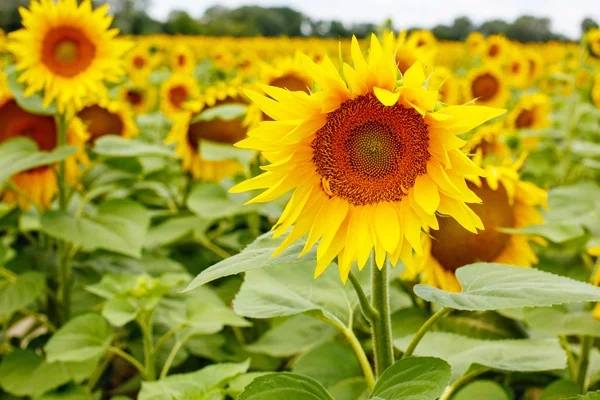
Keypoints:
(211, 218)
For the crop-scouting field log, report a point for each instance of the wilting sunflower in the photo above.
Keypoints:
(141, 100)
(182, 59)
(175, 92)
(368, 161)
(487, 86)
(593, 38)
(532, 111)
(446, 84)
(188, 136)
(39, 185)
(487, 140)
(67, 50)
(108, 118)
(508, 202)
(497, 49)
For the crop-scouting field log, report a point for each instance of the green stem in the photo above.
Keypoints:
(164, 338)
(461, 381)
(381, 327)
(97, 374)
(584, 361)
(571, 363)
(424, 328)
(361, 356)
(62, 127)
(129, 358)
(365, 307)
(149, 359)
(214, 248)
(165, 370)
(8, 275)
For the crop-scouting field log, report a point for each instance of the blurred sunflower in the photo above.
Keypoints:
(497, 49)
(536, 66)
(138, 64)
(516, 69)
(596, 90)
(39, 185)
(286, 73)
(421, 38)
(507, 202)
(593, 39)
(487, 141)
(182, 59)
(532, 111)
(446, 84)
(108, 117)
(141, 100)
(488, 86)
(408, 54)
(67, 50)
(476, 42)
(370, 163)
(175, 92)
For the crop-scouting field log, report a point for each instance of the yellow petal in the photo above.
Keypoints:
(386, 226)
(386, 97)
(426, 194)
(414, 76)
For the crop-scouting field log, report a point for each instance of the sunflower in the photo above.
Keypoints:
(421, 38)
(108, 118)
(141, 100)
(175, 92)
(188, 137)
(446, 84)
(508, 202)
(497, 49)
(516, 70)
(536, 66)
(487, 140)
(286, 73)
(487, 85)
(369, 161)
(476, 42)
(139, 64)
(39, 185)
(593, 39)
(67, 50)
(182, 60)
(531, 112)
(408, 54)
(596, 90)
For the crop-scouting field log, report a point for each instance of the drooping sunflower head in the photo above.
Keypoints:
(487, 85)
(507, 202)
(108, 118)
(497, 49)
(532, 111)
(182, 59)
(175, 92)
(476, 42)
(593, 38)
(446, 84)
(141, 100)
(368, 160)
(39, 184)
(67, 50)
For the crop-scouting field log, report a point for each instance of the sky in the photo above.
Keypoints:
(566, 15)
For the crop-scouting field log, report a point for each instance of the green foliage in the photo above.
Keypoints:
(284, 385)
(20, 293)
(488, 390)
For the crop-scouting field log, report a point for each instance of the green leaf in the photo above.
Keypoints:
(119, 312)
(211, 201)
(557, 232)
(585, 148)
(192, 385)
(34, 103)
(284, 386)
(480, 325)
(173, 229)
(559, 390)
(120, 225)
(413, 378)
(559, 320)
(20, 293)
(488, 286)
(256, 255)
(24, 373)
(117, 146)
(329, 364)
(488, 390)
(587, 396)
(82, 338)
(297, 334)
(350, 389)
(22, 154)
(461, 352)
(226, 112)
(216, 151)
(239, 383)
(71, 392)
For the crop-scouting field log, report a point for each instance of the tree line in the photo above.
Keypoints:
(131, 17)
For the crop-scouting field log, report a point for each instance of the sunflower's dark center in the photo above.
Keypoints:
(16, 122)
(525, 119)
(100, 122)
(177, 96)
(181, 60)
(218, 130)
(67, 51)
(494, 50)
(453, 246)
(421, 42)
(134, 97)
(485, 87)
(290, 82)
(532, 67)
(516, 67)
(139, 62)
(368, 153)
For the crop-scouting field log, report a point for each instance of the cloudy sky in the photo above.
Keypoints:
(566, 15)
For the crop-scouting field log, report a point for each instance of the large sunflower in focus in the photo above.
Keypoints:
(508, 202)
(67, 50)
(39, 185)
(487, 86)
(108, 118)
(369, 162)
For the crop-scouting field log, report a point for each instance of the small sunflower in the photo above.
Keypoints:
(286, 73)
(141, 100)
(182, 60)
(596, 90)
(593, 38)
(369, 162)
(488, 86)
(67, 50)
(497, 49)
(532, 111)
(108, 118)
(138, 64)
(516, 70)
(421, 38)
(476, 42)
(536, 66)
(487, 140)
(39, 184)
(175, 92)
(408, 54)
(507, 202)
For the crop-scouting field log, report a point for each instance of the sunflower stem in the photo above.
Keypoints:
(64, 267)
(584, 361)
(423, 330)
(361, 357)
(365, 307)
(381, 325)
